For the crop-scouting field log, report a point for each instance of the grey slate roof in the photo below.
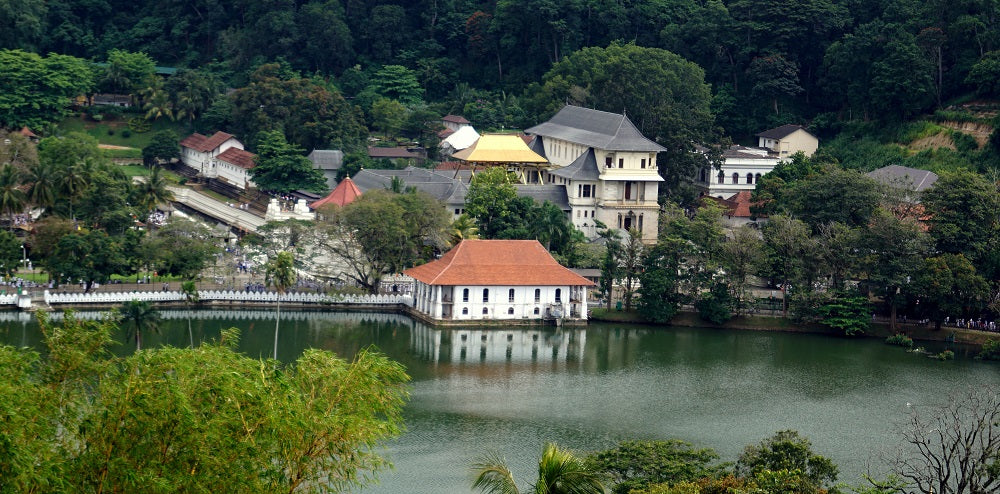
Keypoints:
(905, 177)
(327, 159)
(743, 152)
(781, 132)
(596, 129)
(583, 168)
(538, 146)
(556, 194)
(449, 190)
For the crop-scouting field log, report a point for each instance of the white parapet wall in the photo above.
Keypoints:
(106, 298)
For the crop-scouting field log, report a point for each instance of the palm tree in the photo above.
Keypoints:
(12, 198)
(190, 292)
(138, 316)
(44, 184)
(75, 179)
(153, 190)
(559, 472)
(158, 105)
(279, 273)
(463, 228)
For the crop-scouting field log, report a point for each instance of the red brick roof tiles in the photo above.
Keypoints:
(497, 263)
(238, 157)
(204, 144)
(343, 194)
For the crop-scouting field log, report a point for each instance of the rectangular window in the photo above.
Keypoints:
(607, 162)
(538, 295)
(486, 295)
(510, 295)
(465, 295)
(621, 162)
(642, 163)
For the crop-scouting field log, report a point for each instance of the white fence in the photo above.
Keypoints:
(8, 299)
(221, 296)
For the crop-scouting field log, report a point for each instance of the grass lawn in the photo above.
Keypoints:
(143, 171)
(76, 123)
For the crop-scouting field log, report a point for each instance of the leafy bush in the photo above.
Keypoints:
(991, 350)
(715, 305)
(945, 355)
(126, 133)
(111, 131)
(139, 125)
(899, 339)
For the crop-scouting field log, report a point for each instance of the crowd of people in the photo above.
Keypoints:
(980, 324)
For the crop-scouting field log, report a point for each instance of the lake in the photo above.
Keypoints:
(511, 390)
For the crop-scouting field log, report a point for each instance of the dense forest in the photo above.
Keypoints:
(767, 61)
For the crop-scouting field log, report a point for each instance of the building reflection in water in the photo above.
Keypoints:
(497, 345)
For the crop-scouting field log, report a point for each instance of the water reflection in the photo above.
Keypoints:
(492, 346)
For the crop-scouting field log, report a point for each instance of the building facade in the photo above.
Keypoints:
(199, 151)
(742, 168)
(607, 166)
(787, 140)
(498, 280)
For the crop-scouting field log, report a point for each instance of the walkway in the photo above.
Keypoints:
(232, 216)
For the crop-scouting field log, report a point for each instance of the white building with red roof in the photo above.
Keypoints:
(199, 151)
(233, 165)
(498, 280)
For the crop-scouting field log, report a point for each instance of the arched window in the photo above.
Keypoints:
(538, 295)
(510, 311)
(486, 295)
(485, 311)
(736, 178)
(558, 295)
(510, 295)
(749, 178)
(722, 177)
(757, 178)
(465, 311)
(536, 311)
(465, 295)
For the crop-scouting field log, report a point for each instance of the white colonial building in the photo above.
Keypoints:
(741, 170)
(233, 166)
(498, 280)
(607, 166)
(199, 151)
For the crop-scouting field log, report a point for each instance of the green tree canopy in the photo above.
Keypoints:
(281, 167)
(180, 247)
(948, 286)
(787, 451)
(35, 91)
(128, 71)
(635, 465)
(185, 420)
(559, 472)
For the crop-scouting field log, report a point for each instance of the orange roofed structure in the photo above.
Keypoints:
(343, 194)
(499, 280)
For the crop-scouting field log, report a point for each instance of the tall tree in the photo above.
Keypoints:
(190, 292)
(785, 243)
(138, 316)
(280, 274)
(35, 91)
(892, 249)
(128, 71)
(281, 167)
(948, 286)
(12, 196)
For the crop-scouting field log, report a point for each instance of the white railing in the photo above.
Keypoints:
(221, 296)
(8, 299)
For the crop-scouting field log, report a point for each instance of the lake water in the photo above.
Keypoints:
(511, 390)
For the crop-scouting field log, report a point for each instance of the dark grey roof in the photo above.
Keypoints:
(538, 146)
(904, 177)
(596, 129)
(327, 159)
(556, 194)
(743, 152)
(781, 132)
(583, 168)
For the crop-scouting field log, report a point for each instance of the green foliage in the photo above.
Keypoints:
(281, 167)
(947, 285)
(91, 256)
(635, 465)
(715, 305)
(846, 312)
(180, 247)
(660, 283)
(945, 355)
(785, 454)
(559, 471)
(137, 316)
(990, 350)
(10, 253)
(126, 72)
(162, 147)
(899, 339)
(83, 420)
(985, 74)
(399, 83)
(35, 91)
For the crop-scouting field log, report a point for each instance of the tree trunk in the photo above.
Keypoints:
(276, 323)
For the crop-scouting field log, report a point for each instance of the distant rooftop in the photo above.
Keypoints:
(781, 132)
(904, 177)
(596, 129)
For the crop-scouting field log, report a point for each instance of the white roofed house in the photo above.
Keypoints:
(607, 166)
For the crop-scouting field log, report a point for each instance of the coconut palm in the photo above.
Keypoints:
(44, 184)
(12, 198)
(138, 316)
(559, 472)
(75, 179)
(158, 105)
(463, 228)
(153, 190)
(190, 292)
(279, 273)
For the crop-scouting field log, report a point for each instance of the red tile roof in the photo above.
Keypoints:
(26, 132)
(455, 119)
(497, 263)
(238, 157)
(741, 202)
(443, 134)
(343, 194)
(204, 144)
(453, 165)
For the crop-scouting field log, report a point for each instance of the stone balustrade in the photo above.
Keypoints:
(107, 298)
